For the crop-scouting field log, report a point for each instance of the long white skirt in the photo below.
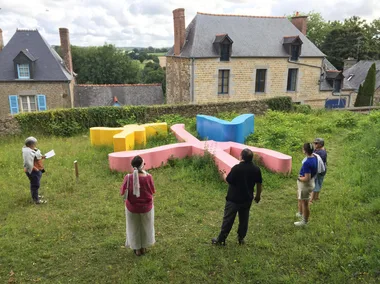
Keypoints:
(140, 229)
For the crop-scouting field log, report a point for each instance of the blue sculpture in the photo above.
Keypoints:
(212, 128)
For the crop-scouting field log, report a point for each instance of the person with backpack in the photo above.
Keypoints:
(320, 150)
(306, 184)
(138, 190)
(33, 167)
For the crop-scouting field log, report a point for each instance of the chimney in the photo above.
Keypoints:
(348, 63)
(1, 40)
(300, 22)
(179, 30)
(66, 48)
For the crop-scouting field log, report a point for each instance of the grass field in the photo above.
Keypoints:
(78, 236)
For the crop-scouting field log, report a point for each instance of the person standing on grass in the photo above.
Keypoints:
(320, 150)
(33, 167)
(306, 183)
(138, 190)
(241, 182)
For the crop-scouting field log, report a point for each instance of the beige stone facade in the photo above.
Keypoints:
(178, 80)
(58, 94)
(242, 80)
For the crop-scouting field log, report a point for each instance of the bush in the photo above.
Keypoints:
(68, 122)
(280, 103)
(302, 108)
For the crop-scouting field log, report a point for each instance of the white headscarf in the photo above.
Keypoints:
(136, 182)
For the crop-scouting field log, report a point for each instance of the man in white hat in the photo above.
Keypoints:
(33, 167)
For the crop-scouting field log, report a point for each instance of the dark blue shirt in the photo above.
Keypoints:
(309, 166)
(323, 154)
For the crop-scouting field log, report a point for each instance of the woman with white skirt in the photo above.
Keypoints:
(138, 190)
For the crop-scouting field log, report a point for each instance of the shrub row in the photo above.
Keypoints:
(68, 122)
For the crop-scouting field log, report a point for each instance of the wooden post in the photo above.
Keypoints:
(76, 169)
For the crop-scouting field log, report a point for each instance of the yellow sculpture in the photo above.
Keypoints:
(125, 138)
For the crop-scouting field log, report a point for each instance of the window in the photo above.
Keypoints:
(330, 81)
(337, 85)
(28, 103)
(225, 53)
(260, 80)
(295, 52)
(23, 71)
(292, 80)
(223, 81)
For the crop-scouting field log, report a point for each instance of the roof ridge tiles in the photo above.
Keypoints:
(246, 16)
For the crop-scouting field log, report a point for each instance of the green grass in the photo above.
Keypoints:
(158, 54)
(78, 236)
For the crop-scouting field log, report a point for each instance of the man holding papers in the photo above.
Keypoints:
(33, 167)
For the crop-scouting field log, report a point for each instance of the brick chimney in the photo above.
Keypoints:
(348, 63)
(300, 22)
(179, 30)
(66, 48)
(1, 40)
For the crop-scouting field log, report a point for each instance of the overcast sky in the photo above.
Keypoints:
(145, 23)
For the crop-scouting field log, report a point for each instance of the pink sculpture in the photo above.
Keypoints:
(225, 154)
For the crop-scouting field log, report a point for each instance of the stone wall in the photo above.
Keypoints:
(243, 77)
(57, 93)
(9, 126)
(178, 80)
(126, 94)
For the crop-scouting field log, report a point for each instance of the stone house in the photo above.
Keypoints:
(355, 74)
(33, 77)
(220, 58)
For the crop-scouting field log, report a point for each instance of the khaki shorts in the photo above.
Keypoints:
(305, 188)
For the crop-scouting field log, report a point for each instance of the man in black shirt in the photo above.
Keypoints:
(241, 180)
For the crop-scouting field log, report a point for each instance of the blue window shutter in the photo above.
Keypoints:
(13, 104)
(41, 102)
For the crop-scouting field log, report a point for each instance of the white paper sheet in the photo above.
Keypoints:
(50, 154)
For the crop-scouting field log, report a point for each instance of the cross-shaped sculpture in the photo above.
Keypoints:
(225, 154)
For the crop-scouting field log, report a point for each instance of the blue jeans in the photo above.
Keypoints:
(318, 182)
(34, 179)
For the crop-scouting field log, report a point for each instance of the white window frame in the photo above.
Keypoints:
(23, 66)
(28, 98)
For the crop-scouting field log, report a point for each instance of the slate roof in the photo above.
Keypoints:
(127, 94)
(330, 73)
(48, 66)
(252, 36)
(359, 72)
(28, 54)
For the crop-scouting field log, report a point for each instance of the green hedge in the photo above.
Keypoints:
(68, 122)
(280, 103)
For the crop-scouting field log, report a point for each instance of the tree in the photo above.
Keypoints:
(103, 65)
(352, 38)
(153, 73)
(317, 27)
(367, 91)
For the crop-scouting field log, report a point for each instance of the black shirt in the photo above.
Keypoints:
(242, 180)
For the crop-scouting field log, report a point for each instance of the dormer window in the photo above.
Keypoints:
(292, 45)
(24, 65)
(225, 52)
(295, 52)
(223, 46)
(23, 71)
